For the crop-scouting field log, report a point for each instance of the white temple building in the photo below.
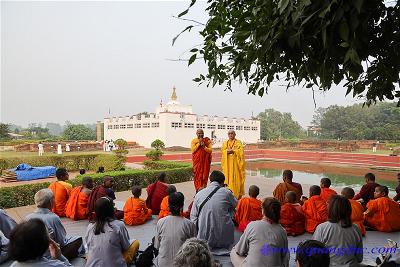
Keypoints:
(175, 124)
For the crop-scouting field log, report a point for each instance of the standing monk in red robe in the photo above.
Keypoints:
(76, 208)
(326, 191)
(292, 216)
(61, 191)
(367, 190)
(201, 156)
(248, 209)
(287, 185)
(156, 192)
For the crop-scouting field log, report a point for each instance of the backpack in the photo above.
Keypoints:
(145, 258)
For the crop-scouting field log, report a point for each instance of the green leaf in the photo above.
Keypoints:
(188, 28)
(197, 80)
(261, 92)
(324, 37)
(183, 13)
(282, 5)
(344, 44)
(192, 59)
(344, 31)
(194, 50)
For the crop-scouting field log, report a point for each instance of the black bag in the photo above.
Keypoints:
(145, 258)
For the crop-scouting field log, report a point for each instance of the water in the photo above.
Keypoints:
(312, 174)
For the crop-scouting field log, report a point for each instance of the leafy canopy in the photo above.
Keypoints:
(302, 42)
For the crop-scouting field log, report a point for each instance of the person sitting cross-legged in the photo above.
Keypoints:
(156, 192)
(107, 239)
(315, 209)
(248, 209)
(61, 191)
(357, 210)
(71, 246)
(77, 204)
(383, 213)
(326, 191)
(367, 190)
(135, 210)
(292, 216)
(164, 207)
(172, 231)
(287, 185)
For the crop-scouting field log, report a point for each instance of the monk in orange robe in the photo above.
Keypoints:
(164, 207)
(135, 210)
(248, 209)
(155, 193)
(201, 156)
(61, 191)
(315, 209)
(292, 216)
(383, 213)
(287, 185)
(357, 210)
(76, 208)
(326, 191)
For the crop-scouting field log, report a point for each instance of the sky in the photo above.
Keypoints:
(76, 61)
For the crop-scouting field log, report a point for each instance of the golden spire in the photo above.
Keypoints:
(174, 97)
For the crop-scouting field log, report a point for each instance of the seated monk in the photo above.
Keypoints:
(156, 192)
(326, 191)
(164, 206)
(76, 208)
(287, 185)
(397, 196)
(383, 213)
(248, 209)
(61, 191)
(135, 210)
(103, 190)
(292, 216)
(357, 210)
(315, 209)
(186, 214)
(367, 190)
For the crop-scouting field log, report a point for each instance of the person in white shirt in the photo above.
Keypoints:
(41, 149)
(59, 149)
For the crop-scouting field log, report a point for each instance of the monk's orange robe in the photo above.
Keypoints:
(201, 156)
(292, 219)
(76, 207)
(164, 208)
(385, 215)
(326, 193)
(316, 212)
(61, 191)
(135, 211)
(282, 188)
(357, 215)
(248, 209)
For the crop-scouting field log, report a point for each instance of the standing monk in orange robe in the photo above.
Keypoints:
(357, 210)
(248, 209)
(164, 207)
(292, 216)
(287, 185)
(156, 192)
(315, 209)
(135, 210)
(383, 213)
(61, 191)
(201, 156)
(326, 192)
(76, 208)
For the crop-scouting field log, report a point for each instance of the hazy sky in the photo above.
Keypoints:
(76, 60)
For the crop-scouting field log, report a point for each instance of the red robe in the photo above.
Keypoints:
(282, 188)
(186, 214)
(326, 193)
(316, 212)
(76, 208)
(99, 192)
(201, 162)
(292, 219)
(385, 215)
(248, 209)
(366, 192)
(155, 194)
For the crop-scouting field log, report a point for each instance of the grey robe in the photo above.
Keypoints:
(40, 263)
(349, 239)
(171, 233)
(215, 220)
(3, 248)
(6, 223)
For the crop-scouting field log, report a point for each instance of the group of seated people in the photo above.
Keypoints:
(190, 238)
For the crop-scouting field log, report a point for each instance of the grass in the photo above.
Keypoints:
(378, 152)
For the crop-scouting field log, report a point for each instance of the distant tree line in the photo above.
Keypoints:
(377, 122)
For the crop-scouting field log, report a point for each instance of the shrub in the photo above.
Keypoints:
(158, 144)
(164, 164)
(22, 195)
(154, 154)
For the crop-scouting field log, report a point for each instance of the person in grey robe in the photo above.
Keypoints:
(71, 247)
(6, 223)
(172, 231)
(340, 236)
(28, 244)
(3, 248)
(264, 242)
(215, 222)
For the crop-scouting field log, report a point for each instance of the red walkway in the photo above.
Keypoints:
(301, 156)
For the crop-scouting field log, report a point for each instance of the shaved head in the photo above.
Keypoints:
(315, 190)
(171, 189)
(290, 197)
(348, 192)
(254, 191)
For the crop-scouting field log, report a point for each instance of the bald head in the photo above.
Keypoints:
(254, 191)
(200, 133)
(171, 189)
(325, 182)
(315, 190)
(231, 134)
(290, 197)
(348, 192)
(382, 191)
